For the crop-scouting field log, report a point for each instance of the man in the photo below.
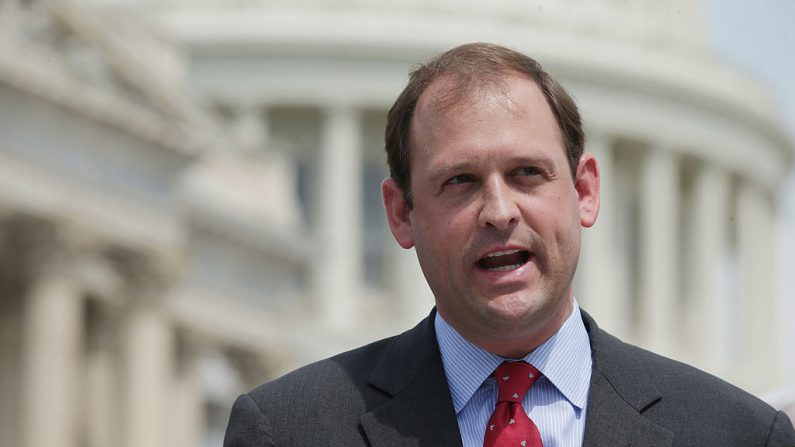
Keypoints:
(490, 185)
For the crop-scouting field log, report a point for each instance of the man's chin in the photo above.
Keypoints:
(519, 310)
(513, 305)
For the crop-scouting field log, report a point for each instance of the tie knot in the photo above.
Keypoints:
(514, 379)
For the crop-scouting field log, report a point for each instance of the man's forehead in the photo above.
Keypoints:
(516, 94)
(451, 98)
(451, 92)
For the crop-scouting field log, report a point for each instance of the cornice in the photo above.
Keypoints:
(45, 54)
(381, 37)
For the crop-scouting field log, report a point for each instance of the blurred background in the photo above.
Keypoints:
(190, 205)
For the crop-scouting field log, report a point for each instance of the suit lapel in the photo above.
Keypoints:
(420, 410)
(611, 421)
(620, 392)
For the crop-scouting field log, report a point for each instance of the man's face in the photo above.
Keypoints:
(497, 215)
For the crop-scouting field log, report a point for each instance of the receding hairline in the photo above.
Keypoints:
(456, 89)
(453, 95)
(476, 67)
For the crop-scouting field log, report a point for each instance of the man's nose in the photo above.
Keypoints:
(499, 208)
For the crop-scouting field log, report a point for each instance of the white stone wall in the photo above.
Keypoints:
(156, 260)
(671, 260)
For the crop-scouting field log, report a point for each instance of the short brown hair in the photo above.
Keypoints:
(470, 67)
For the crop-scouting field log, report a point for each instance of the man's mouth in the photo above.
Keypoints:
(500, 261)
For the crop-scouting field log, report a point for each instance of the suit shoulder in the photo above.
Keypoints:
(329, 394)
(628, 364)
(350, 368)
(672, 375)
(692, 402)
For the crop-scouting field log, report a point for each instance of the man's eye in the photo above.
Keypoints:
(458, 179)
(529, 171)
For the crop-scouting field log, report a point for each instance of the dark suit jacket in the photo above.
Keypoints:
(394, 393)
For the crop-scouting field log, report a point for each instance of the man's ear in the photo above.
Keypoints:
(587, 185)
(397, 212)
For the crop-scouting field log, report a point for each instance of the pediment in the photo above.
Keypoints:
(112, 70)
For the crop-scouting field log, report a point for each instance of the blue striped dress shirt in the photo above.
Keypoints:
(556, 402)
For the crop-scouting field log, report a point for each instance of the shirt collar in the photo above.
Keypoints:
(564, 359)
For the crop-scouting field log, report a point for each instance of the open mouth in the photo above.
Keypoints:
(501, 261)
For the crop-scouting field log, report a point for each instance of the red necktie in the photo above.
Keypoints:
(509, 424)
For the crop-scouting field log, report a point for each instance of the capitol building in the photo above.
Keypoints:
(190, 200)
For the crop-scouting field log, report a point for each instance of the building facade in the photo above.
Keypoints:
(191, 206)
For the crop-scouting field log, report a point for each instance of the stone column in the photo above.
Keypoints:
(187, 415)
(52, 355)
(10, 350)
(757, 262)
(101, 378)
(601, 257)
(659, 257)
(707, 312)
(148, 353)
(413, 296)
(249, 127)
(338, 255)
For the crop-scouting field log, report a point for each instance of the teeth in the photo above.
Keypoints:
(502, 253)
(505, 267)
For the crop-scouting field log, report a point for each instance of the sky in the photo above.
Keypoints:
(758, 37)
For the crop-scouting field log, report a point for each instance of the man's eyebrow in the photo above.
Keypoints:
(451, 167)
(463, 166)
(447, 169)
(529, 160)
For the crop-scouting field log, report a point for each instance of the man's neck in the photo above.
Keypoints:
(516, 344)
